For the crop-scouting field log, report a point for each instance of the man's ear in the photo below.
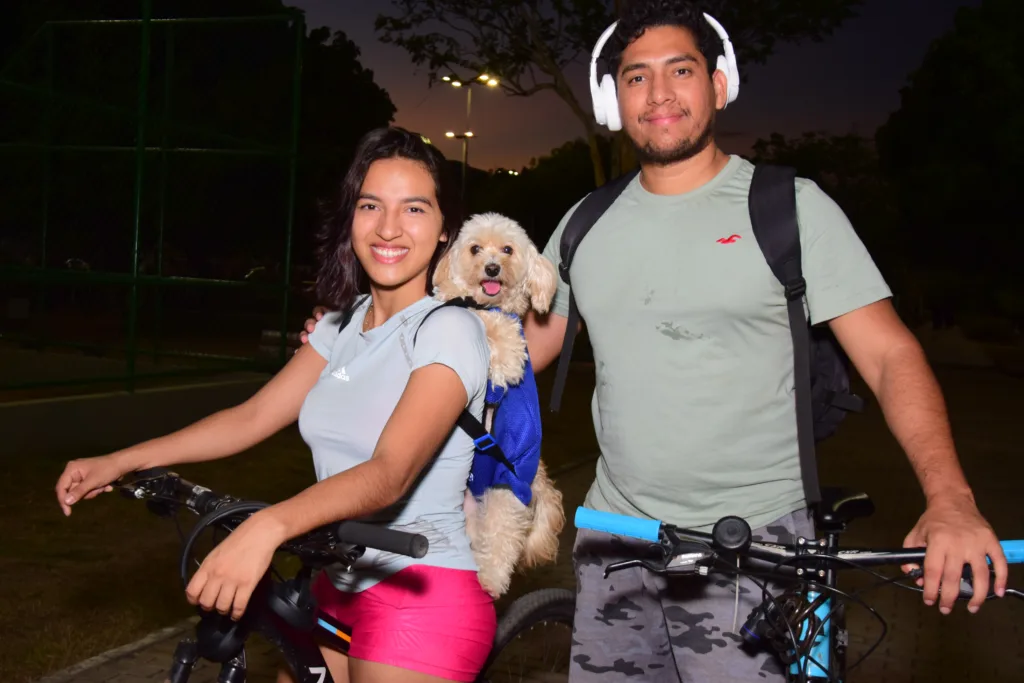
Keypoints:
(720, 83)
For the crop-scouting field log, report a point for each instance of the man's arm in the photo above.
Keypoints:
(544, 336)
(892, 363)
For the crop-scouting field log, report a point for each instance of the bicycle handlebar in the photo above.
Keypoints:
(656, 531)
(163, 486)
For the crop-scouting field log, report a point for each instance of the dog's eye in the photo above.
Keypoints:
(508, 250)
(474, 250)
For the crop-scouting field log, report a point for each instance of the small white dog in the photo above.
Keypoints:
(495, 263)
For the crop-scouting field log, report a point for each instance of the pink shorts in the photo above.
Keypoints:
(434, 620)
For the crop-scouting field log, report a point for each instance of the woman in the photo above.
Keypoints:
(378, 413)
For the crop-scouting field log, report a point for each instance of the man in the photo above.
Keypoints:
(694, 408)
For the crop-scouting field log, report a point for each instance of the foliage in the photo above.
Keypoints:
(955, 147)
(954, 151)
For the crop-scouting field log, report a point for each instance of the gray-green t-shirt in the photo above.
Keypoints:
(694, 406)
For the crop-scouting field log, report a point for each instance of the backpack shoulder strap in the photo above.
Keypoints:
(466, 421)
(773, 218)
(593, 206)
(461, 302)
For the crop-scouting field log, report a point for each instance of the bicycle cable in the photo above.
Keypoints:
(765, 595)
(853, 597)
(806, 656)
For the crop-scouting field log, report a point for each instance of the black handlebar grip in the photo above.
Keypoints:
(150, 473)
(381, 538)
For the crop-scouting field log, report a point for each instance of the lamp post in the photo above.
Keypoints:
(465, 137)
(485, 80)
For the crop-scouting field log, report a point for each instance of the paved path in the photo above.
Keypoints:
(921, 645)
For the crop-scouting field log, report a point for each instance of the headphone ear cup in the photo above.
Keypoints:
(723, 66)
(610, 103)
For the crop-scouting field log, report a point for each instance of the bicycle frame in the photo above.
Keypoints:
(166, 492)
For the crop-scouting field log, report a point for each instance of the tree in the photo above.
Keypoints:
(543, 191)
(955, 151)
(227, 80)
(846, 168)
(530, 43)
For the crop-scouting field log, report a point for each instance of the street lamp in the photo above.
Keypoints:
(484, 79)
(465, 157)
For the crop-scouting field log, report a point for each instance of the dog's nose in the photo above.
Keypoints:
(492, 269)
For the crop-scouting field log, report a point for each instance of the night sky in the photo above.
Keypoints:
(848, 83)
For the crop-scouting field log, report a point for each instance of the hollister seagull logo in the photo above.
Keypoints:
(340, 374)
(728, 240)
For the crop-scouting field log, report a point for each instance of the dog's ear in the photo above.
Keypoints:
(444, 276)
(540, 281)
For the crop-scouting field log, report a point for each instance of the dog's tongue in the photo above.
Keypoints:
(491, 287)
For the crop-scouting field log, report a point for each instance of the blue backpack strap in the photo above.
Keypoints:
(483, 441)
(774, 221)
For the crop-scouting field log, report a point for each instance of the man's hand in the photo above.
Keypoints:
(955, 534)
(307, 328)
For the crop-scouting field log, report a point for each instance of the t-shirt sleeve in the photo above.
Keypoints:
(455, 337)
(841, 276)
(325, 333)
(552, 251)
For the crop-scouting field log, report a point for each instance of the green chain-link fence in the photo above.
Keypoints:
(149, 170)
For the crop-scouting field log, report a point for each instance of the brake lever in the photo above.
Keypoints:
(628, 564)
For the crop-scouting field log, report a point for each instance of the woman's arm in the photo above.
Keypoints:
(226, 432)
(421, 422)
(424, 417)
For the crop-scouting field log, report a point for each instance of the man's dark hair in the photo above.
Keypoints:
(639, 15)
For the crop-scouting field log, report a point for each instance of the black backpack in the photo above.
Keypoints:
(820, 366)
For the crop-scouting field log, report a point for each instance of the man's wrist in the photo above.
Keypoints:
(949, 492)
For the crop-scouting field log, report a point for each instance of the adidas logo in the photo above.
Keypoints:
(340, 374)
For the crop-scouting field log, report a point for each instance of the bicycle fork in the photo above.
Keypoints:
(186, 655)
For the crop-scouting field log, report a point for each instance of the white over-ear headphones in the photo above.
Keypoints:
(606, 101)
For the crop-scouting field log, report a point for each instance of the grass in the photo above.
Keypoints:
(74, 587)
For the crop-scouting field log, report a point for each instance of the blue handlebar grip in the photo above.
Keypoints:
(1014, 551)
(621, 525)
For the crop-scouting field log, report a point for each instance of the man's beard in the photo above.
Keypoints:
(684, 150)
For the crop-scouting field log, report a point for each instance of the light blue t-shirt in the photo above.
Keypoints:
(344, 415)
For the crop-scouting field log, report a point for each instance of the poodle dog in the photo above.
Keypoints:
(495, 263)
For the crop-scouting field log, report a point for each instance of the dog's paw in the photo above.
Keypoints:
(507, 346)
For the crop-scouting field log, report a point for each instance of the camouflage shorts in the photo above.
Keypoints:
(637, 626)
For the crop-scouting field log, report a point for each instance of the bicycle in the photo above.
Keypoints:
(800, 625)
(283, 611)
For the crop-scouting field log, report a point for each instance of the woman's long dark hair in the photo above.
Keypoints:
(340, 277)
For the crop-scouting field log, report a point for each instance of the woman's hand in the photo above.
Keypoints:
(87, 478)
(228, 576)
